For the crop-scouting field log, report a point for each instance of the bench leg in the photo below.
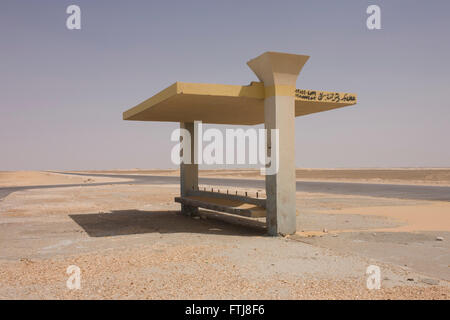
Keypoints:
(189, 210)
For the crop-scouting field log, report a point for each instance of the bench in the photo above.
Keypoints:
(231, 204)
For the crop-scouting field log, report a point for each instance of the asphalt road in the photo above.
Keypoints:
(414, 192)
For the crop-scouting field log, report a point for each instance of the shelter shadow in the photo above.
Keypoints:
(128, 222)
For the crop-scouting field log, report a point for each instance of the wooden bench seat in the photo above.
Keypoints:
(225, 203)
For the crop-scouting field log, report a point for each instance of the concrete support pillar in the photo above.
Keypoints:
(188, 171)
(279, 72)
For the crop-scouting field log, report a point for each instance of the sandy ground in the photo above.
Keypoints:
(130, 243)
(34, 178)
(411, 176)
(426, 216)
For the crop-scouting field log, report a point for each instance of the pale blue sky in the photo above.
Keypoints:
(62, 93)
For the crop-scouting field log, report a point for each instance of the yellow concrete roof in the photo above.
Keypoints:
(227, 104)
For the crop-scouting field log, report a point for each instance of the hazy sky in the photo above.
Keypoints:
(62, 92)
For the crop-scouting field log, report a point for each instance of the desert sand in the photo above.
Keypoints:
(414, 176)
(427, 216)
(35, 178)
(130, 243)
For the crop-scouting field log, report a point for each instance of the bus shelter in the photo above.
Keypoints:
(275, 102)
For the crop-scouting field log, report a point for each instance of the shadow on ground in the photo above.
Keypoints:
(128, 222)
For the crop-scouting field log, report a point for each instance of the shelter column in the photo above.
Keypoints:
(188, 171)
(279, 72)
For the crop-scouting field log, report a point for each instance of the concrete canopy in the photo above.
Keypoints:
(228, 104)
